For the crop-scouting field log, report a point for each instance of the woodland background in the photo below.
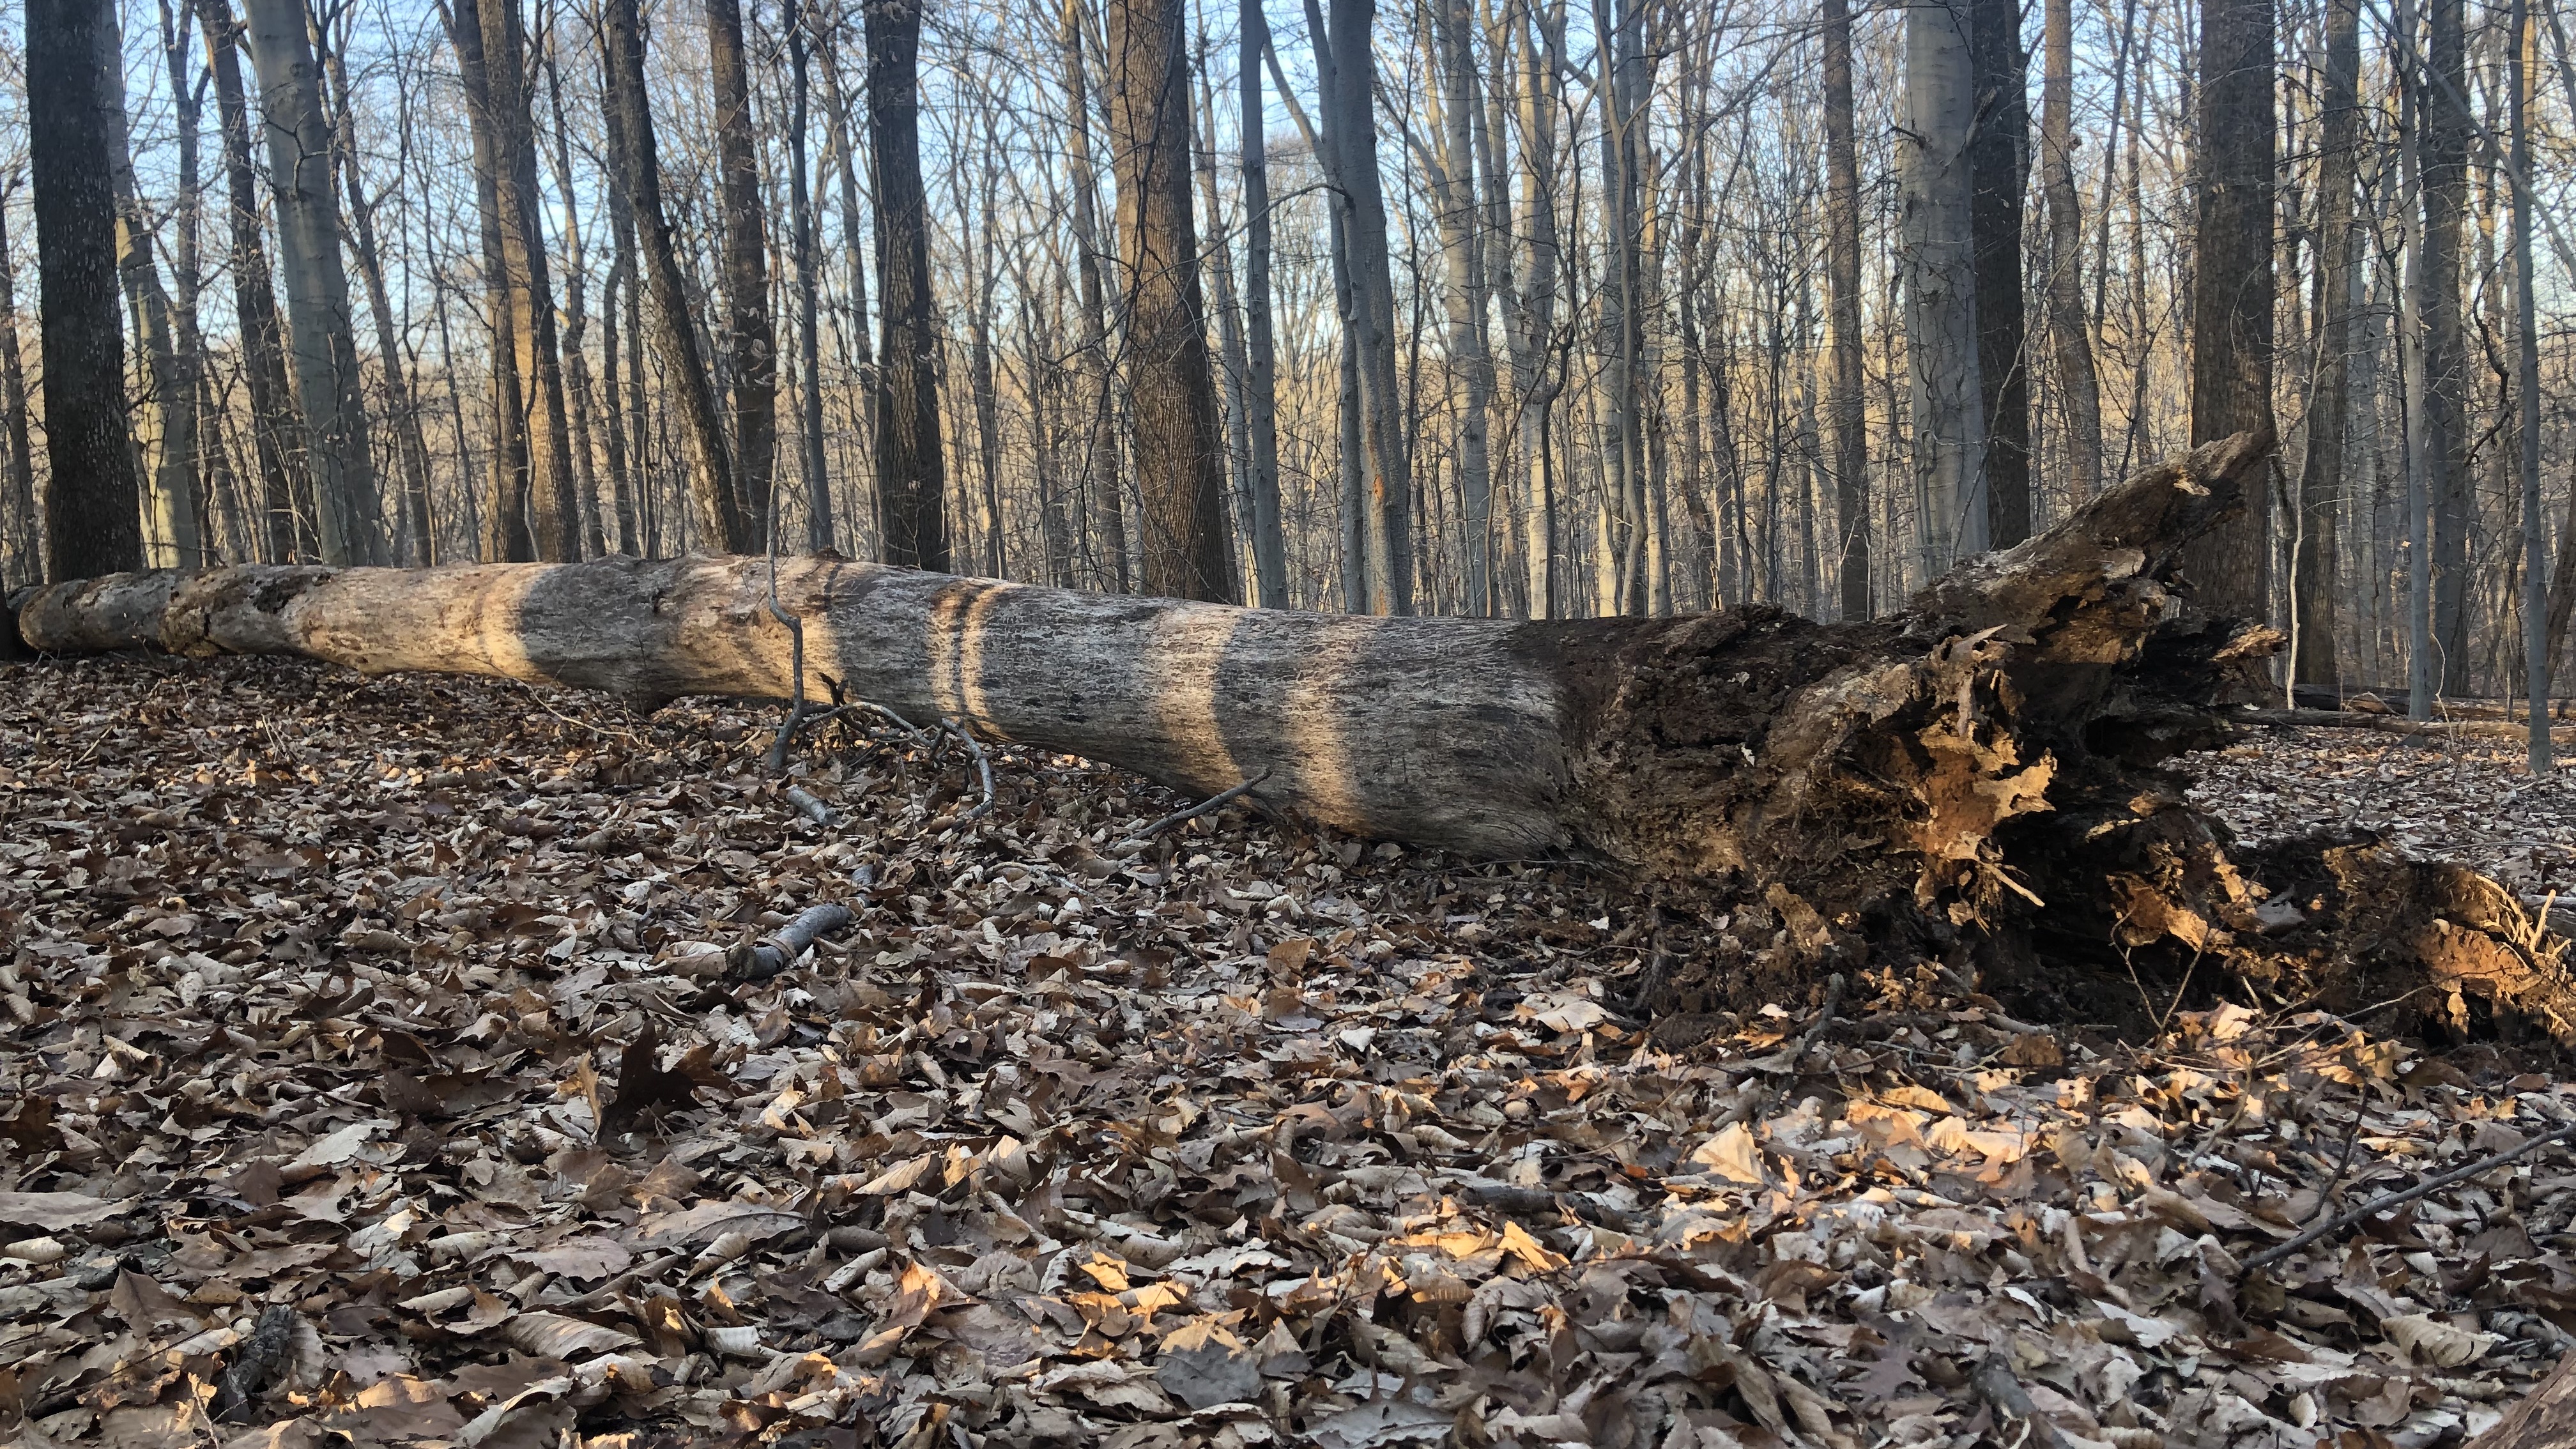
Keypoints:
(1627, 307)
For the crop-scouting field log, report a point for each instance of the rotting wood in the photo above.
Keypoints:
(1978, 780)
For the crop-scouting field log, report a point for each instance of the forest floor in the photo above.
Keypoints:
(385, 1025)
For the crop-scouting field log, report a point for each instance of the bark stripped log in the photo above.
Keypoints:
(1976, 782)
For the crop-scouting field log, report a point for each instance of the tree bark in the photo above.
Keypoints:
(1941, 276)
(639, 170)
(751, 338)
(1101, 502)
(277, 434)
(26, 552)
(169, 410)
(801, 227)
(2231, 278)
(1180, 465)
(2522, 53)
(1261, 353)
(2321, 478)
(92, 497)
(2448, 480)
(1844, 406)
(411, 446)
(1856, 796)
(912, 475)
(550, 497)
(1346, 67)
(578, 393)
(347, 522)
(1999, 171)
(2543, 1419)
(2070, 333)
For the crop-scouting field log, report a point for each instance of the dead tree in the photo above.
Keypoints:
(1977, 781)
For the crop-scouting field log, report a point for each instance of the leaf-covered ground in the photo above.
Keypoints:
(369, 1055)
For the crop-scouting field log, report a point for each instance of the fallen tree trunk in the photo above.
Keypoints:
(1973, 781)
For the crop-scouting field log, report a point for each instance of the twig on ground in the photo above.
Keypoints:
(2403, 1196)
(983, 767)
(809, 806)
(1217, 801)
(2343, 1164)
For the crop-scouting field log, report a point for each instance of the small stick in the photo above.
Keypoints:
(810, 807)
(2403, 1196)
(983, 766)
(1213, 802)
(1788, 1061)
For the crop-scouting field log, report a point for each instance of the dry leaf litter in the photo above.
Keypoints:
(374, 1076)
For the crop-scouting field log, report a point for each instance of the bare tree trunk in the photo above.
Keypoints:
(504, 534)
(1100, 470)
(2522, 57)
(1940, 260)
(751, 339)
(639, 169)
(411, 447)
(856, 250)
(1998, 167)
(2322, 482)
(1180, 463)
(1261, 361)
(1219, 264)
(26, 548)
(625, 464)
(169, 412)
(912, 476)
(187, 276)
(552, 500)
(2070, 333)
(1618, 33)
(1846, 409)
(2446, 193)
(576, 361)
(1529, 302)
(1346, 64)
(2232, 290)
(801, 227)
(982, 388)
(92, 497)
(277, 434)
(1467, 297)
(347, 521)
